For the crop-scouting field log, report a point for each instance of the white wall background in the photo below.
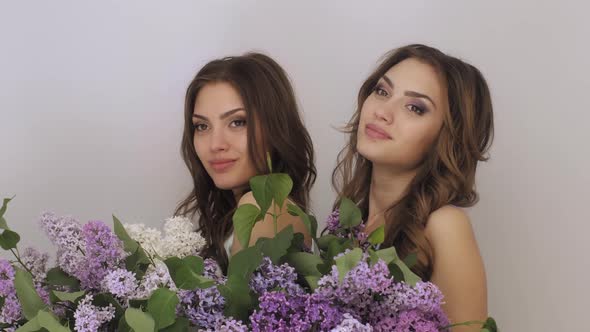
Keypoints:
(91, 98)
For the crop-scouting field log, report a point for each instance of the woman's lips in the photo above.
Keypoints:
(220, 165)
(374, 131)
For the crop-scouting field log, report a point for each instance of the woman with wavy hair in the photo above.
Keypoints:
(237, 111)
(423, 122)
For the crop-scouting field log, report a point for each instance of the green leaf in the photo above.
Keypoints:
(377, 236)
(297, 243)
(50, 322)
(490, 325)
(348, 262)
(397, 266)
(310, 223)
(324, 241)
(9, 239)
(130, 244)
(30, 301)
(338, 247)
(388, 255)
(275, 248)
(31, 326)
(268, 188)
(2, 300)
(195, 264)
(411, 260)
(312, 281)
(138, 303)
(305, 264)
(181, 325)
(5, 202)
(350, 214)
(373, 258)
(238, 298)
(123, 326)
(244, 263)
(262, 192)
(162, 307)
(57, 277)
(138, 263)
(396, 272)
(138, 320)
(65, 296)
(410, 277)
(104, 299)
(244, 219)
(281, 186)
(184, 274)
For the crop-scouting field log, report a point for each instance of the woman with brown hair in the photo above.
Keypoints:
(423, 122)
(237, 111)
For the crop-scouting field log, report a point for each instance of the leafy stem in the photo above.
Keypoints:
(17, 255)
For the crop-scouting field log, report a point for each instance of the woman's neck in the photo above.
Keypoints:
(386, 188)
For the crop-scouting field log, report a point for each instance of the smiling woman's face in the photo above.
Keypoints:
(221, 136)
(402, 117)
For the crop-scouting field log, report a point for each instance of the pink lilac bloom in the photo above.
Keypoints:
(89, 318)
(66, 234)
(104, 253)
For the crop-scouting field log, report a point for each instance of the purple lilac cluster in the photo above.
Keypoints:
(368, 294)
(121, 283)
(66, 234)
(203, 307)
(154, 278)
(358, 289)
(279, 311)
(273, 277)
(11, 310)
(212, 271)
(358, 232)
(89, 318)
(230, 324)
(103, 253)
(351, 324)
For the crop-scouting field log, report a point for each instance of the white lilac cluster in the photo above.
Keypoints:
(178, 239)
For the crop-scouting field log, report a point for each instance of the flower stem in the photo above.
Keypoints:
(17, 255)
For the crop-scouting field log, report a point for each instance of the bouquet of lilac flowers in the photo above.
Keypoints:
(104, 279)
(136, 278)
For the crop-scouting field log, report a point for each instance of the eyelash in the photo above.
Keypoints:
(242, 122)
(380, 91)
(416, 109)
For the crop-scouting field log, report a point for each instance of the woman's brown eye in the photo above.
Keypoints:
(238, 123)
(200, 127)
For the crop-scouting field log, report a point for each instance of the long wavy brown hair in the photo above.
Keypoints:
(447, 173)
(270, 104)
